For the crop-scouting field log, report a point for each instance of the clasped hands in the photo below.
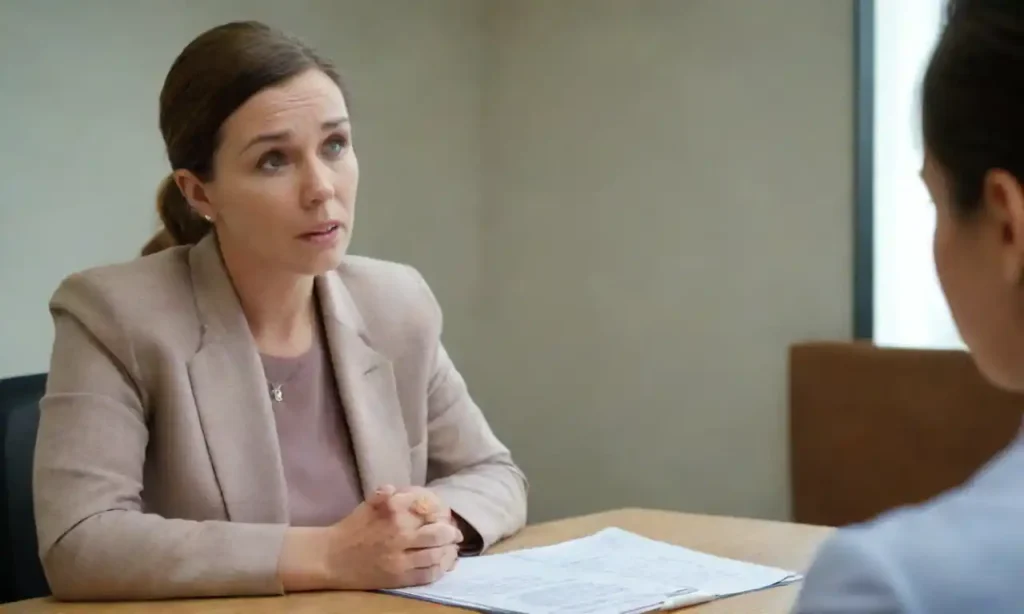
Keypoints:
(396, 538)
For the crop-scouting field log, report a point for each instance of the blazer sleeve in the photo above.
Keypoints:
(850, 575)
(469, 468)
(96, 541)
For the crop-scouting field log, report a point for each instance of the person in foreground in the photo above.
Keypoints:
(248, 410)
(964, 550)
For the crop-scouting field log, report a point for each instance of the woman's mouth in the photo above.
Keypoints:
(324, 234)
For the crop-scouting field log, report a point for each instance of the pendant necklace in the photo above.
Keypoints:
(277, 390)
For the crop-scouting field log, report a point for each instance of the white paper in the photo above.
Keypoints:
(507, 583)
(628, 555)
(611, 572)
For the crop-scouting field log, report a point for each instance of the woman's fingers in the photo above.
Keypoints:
(440, 557)
(434, 536)
(382, 496)
(425, 507)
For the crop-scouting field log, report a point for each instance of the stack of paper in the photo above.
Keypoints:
(611, 572)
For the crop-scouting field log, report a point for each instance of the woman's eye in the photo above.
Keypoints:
(272, 161)
(334, 147)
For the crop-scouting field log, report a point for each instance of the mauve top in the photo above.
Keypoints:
(316, 448)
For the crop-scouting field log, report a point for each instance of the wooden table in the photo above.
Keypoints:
(785, 545)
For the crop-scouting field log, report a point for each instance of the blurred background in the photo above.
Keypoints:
(628, 210)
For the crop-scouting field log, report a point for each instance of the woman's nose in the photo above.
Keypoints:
(318, 185)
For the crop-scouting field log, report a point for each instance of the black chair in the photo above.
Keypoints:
(21, 573)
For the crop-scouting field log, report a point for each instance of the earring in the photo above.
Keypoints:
(208, 218)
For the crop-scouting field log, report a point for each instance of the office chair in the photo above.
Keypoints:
(21, 573)
(876, 428)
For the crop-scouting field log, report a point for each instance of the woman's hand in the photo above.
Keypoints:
(417, 506)
(386, 543)
(392, 540)
(427, 505)
(421, 502)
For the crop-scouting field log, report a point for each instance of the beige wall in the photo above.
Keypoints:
(628, 209)
(667, 206)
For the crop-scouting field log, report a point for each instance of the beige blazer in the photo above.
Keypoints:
(157, 470)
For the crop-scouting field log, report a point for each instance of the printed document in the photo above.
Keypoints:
(610, 572)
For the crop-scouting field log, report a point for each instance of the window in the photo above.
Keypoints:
(895, 272)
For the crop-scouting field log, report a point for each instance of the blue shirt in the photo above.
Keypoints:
(962, 552)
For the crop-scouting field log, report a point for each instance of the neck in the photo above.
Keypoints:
(278, 306)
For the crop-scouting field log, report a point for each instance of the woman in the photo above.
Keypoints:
(250, 410)
(963, 551)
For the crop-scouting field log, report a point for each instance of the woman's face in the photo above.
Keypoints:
(979, 258)
(285, 179)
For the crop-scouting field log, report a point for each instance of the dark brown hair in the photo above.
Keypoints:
(213, 76)
(973, 96)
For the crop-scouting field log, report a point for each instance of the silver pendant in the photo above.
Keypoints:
(276, 394)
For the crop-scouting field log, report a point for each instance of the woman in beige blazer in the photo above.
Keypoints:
(246, 409)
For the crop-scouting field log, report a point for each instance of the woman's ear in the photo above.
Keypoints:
(194, 191)
(1003, 198)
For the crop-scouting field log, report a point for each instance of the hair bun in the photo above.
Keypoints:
(182, 226)
(158, 243)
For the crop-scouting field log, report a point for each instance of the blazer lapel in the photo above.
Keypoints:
(366, 382)
(230, 390)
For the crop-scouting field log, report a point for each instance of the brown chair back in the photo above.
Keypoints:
(874, 428)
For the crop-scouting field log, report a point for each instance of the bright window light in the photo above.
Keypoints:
(909, 308)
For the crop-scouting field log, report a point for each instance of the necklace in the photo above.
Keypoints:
(276, 390)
